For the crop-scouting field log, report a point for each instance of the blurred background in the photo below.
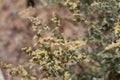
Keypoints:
(16, 29)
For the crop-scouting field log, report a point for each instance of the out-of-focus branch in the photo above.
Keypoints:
(1, 75)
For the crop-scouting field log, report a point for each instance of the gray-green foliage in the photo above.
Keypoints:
(103, 15)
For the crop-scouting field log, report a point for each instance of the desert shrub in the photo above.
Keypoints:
(56, 56)
(53, 53)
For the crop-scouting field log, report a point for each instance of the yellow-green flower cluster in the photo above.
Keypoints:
(67, 76)
(113, 45)
(95, 3)
(15, 71)
(73, 7)
(117, 29)
(55, 20)
(117, 34)
(72, 4)
(54, 54)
